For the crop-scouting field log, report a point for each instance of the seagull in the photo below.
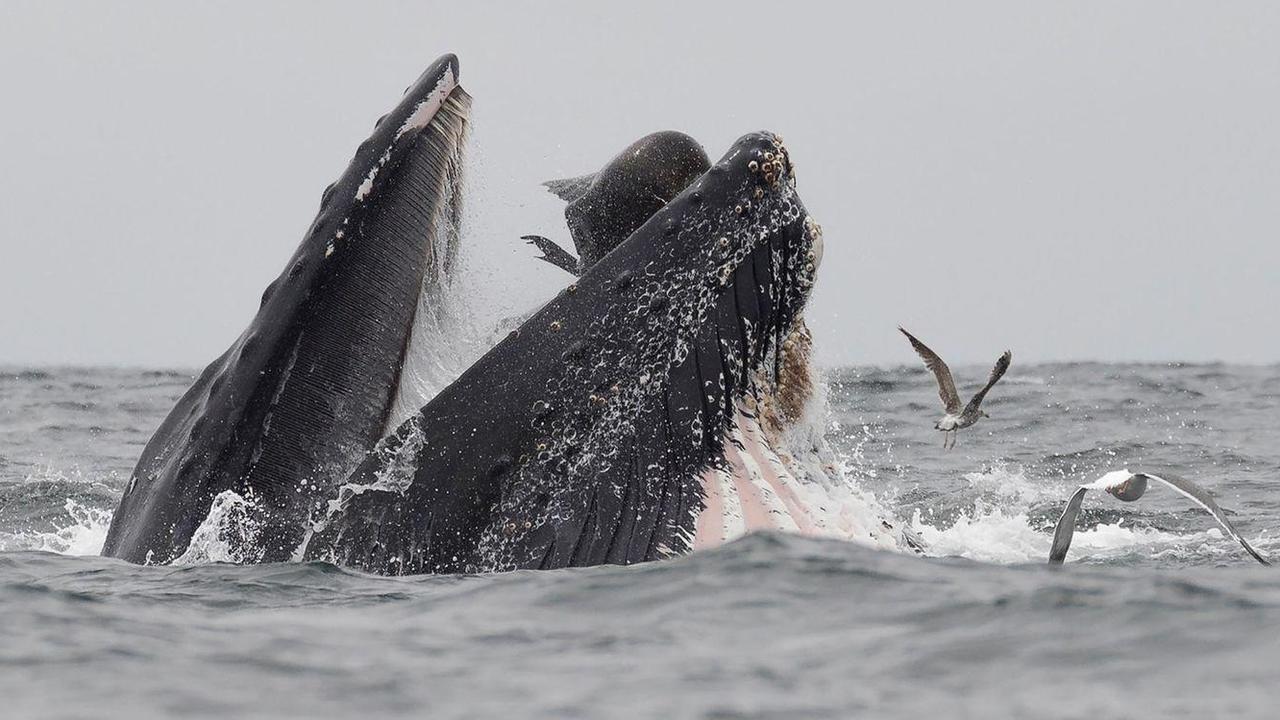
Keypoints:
(957, 418)
(1128, 487)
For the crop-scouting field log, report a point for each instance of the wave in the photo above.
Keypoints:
(1001, 515)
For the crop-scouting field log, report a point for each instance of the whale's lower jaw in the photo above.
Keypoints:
(780, 474)
(754, 490)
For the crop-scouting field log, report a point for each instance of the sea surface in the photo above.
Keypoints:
(1155, 614)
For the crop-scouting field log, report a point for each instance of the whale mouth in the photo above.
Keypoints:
(582, 438)
(587, 433)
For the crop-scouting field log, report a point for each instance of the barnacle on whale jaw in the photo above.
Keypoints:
(772, 164)
(813, 257)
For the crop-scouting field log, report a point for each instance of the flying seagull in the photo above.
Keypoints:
(1128, 487)
(957, 417)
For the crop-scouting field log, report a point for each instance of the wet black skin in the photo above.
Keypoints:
(300, 397)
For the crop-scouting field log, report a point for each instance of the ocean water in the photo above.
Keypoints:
(1155, 614)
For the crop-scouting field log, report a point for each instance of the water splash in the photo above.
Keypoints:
(834, 483)
(82, 533)
(228, 534)
(1001, 525)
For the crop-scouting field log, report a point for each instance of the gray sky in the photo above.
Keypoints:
(1071, 180)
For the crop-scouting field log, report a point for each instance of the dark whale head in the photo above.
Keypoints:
(299, 398)
(581, 438)
(606, 207)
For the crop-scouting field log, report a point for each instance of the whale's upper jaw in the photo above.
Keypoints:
(588, 429)
(307, 389)
(422, 100)
(393, 139)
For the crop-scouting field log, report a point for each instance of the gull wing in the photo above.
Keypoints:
(1066, 528)
(1201, 497)
(997, 372)
(941, 373)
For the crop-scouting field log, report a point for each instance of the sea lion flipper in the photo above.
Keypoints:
(553, 253)
(570, 189)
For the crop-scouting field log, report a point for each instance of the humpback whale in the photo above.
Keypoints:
(641, 413)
